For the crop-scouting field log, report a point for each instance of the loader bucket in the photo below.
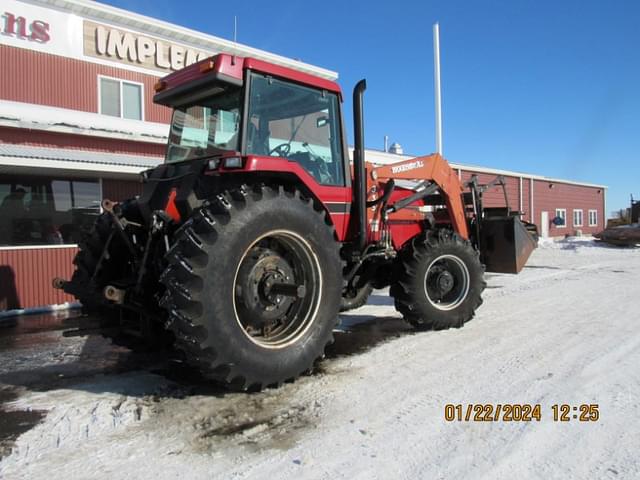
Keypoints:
(505, 244)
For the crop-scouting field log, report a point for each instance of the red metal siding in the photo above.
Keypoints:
(26, 275)
(45, 79)
(526, 204)
(569, 197)
(547, 199)
(494, 197)
(119, 190)
(78, 142)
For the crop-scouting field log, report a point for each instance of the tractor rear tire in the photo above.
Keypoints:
(85, 284)
(91, 277)
(230, 317)
(439, 281)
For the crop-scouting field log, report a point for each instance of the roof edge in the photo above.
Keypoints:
(153, 26)
(393, 158)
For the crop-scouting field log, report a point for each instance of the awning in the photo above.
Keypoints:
(26, 159)
(63, 120)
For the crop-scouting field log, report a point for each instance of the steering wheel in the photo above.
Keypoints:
(282, 150)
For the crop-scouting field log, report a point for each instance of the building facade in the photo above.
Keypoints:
(78, 124)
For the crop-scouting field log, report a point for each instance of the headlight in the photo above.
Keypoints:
(233, 162)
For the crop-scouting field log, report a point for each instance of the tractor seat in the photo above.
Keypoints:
(257, 143)
(306, 161)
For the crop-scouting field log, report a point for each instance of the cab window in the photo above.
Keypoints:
(298, 123)
(205, 129)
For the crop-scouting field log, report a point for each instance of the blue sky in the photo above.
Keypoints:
(544, 87)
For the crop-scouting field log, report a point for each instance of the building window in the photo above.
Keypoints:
(45, 210)
(561, 218)
(577, 218)
(120, 98)
(593, 218)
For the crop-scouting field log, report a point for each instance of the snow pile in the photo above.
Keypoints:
(583, 245)
(567, 242)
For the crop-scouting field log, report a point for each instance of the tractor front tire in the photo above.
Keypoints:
(439, 281)
(253, 286)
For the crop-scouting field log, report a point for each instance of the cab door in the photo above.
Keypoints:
(302, 125)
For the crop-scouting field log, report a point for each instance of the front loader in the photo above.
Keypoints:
(257, 230)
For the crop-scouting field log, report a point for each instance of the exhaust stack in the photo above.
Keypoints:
(360, 180)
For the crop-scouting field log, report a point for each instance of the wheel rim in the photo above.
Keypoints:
(277, 289)
(446, 282)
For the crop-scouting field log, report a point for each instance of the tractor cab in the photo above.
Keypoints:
(251, 108)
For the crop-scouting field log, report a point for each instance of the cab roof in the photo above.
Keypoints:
(231, 68)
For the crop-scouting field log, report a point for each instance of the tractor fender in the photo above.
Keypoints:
(335, 200)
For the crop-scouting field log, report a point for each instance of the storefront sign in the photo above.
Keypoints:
(49, 30)
(105, 42)
(106, 38)
(23, 28)
(32, 27)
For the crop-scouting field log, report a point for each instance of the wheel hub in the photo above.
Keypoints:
(276, 289)
(261, 271)
(445, 282)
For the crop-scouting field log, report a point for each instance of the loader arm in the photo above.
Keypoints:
(436, 169)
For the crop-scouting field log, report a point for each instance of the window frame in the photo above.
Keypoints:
(576, 210)
(564, 217)
(121, 81)
(593, 211)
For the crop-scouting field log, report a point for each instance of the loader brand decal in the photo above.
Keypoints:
(407, 166)
(105, 42)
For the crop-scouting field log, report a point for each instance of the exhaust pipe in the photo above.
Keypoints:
(359, 173)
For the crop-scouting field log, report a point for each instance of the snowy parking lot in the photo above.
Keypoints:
(565, 331)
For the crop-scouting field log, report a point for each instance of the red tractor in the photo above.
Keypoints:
(256, 231)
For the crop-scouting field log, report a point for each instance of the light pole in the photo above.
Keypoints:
(436, 84)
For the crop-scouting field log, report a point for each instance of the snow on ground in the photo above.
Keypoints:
(566, 330)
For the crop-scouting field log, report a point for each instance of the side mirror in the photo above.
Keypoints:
(322, 121)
